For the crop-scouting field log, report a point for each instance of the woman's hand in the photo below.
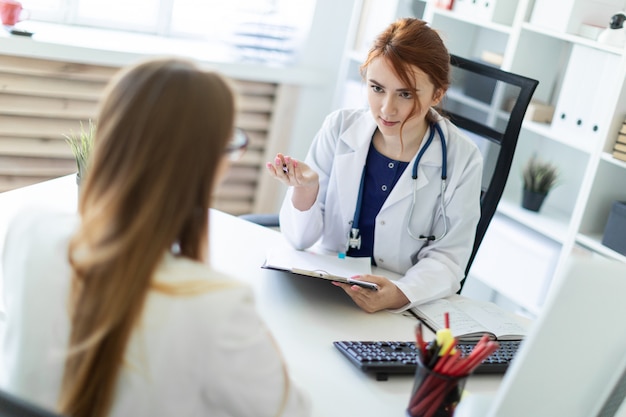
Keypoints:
(296, 174)
(388, 295)
(292, 172)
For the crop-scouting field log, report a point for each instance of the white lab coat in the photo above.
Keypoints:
(207, 354)
(428, 272)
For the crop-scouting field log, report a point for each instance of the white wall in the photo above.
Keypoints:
(324, 50)
(324, 54)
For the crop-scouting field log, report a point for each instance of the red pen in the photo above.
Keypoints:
(419, 336)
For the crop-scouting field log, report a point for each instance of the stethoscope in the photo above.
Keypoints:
(354, 240)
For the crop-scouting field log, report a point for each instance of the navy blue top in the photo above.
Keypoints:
(381, 175)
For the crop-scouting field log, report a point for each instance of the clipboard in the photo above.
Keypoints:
(337, 278)
(317, 265)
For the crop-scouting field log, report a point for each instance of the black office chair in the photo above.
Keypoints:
(477, 103)
(489, 104)
(263, 219)
(12, 406)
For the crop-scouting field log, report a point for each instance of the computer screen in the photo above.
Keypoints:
(573, 361)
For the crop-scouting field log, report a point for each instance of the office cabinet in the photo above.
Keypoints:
(584, 81)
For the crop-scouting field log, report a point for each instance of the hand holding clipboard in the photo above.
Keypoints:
(318, 265)
(326, 275)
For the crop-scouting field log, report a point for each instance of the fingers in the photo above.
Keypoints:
(368, 300)
(373, 301)
(281, 162)
(292, 172)
(283, 168)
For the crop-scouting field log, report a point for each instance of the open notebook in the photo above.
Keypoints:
(470, 319)
(573, 361)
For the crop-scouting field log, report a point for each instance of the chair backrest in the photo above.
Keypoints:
(489, 105)
(12, 406)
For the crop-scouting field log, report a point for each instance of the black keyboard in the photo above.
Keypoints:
(384, 358)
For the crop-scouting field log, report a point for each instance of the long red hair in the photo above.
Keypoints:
(409, 43)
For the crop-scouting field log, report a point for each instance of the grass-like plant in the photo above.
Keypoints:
(539, 176)
(81, 144)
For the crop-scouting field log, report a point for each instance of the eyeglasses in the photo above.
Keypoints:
(236, 146)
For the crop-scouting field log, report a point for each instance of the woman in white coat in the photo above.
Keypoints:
(359, 172)
(115, 310)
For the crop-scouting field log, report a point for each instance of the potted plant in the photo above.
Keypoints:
(539, 178)
(81, 144)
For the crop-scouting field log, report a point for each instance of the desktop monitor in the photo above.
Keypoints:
(573, 361)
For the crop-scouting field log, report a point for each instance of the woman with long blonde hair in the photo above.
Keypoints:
(115, 312)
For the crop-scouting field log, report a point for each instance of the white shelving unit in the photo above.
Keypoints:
(524, 250)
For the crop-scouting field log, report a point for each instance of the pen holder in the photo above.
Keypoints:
(434, 394)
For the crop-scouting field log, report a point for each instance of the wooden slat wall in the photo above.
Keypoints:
(41, 100)
(255, 106)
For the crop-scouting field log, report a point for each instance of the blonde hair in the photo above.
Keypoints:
(161, 133)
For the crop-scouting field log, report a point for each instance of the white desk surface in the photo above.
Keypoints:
(305, 314)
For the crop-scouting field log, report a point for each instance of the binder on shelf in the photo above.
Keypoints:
(568, 16)
(583, 110)
(496, 11)
(615, 230)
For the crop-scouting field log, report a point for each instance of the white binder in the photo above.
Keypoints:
(584, 108)
(567, 16)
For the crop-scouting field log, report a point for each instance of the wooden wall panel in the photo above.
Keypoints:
(41, 100)
(59, 69)
(255, 105)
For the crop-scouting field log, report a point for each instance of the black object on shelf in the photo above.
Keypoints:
(533, 200)
(18, 31)
(615, 229)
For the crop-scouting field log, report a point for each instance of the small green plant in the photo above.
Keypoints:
(539, 176)
(81, 144)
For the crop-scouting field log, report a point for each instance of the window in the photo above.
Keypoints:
(141, 15)
(189, 18)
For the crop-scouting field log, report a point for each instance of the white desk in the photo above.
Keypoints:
(305, 314)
